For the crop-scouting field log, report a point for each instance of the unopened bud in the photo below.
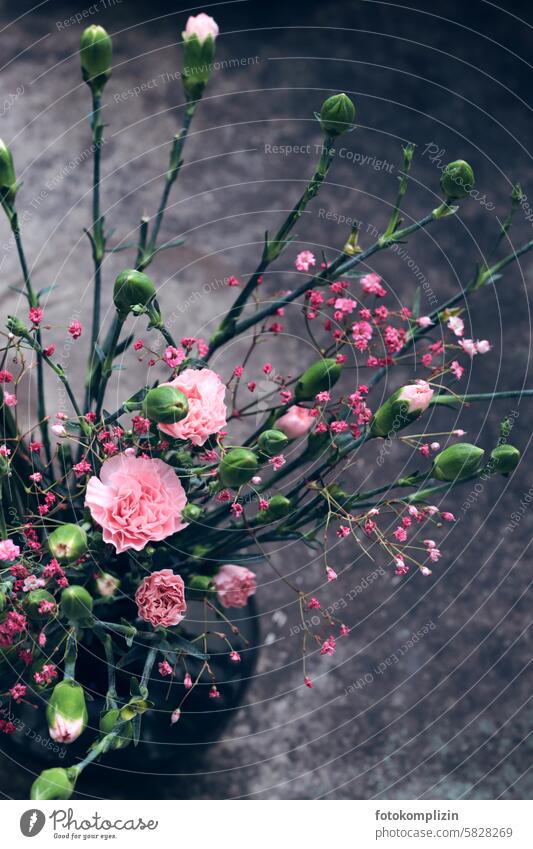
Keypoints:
(8, 179)
(67, 543)
(96, 52)
(504, 459)
(237, 467)
(457, 179)
(55, 783)
(108, 721)
(76, 604)
(199, 38)
(133, 290)
(272, 442)
(337, 114)
(165, 404)
(66, 712)
(403, 407)
(457, 462)
(319, 377)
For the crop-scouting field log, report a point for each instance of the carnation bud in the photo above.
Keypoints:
(67, 543)
(33, 601)
(237, 467)
(199, 582)
(76, 604)
(457, 179)
(3, 601)
(5, 468)
(191, 513)
(457, 462)
(107, 724)
(504, 459)
(106, 584)
(165, 404)
(403, 407)
(66, 712)
(278, 507)
(198, 53)
(319, 377)
(133, 290)
(8, 179)
(17, 327)
(96, 51)
(337, 114)
(272, 442)
(55, 783)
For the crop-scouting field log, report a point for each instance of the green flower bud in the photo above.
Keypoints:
(457, 179)
(198, 54)
(76, 604)
(504, 459)
(165, 404)
(272, 442)
(67, 543)
(319, 377)
(199, 582)
(457, 462)
(5, 468)
(278, 507)
(66, 712)
(337, 114)
(237, 467)
(191, 513)
(55, 783)
(8, 179)
(132, 290)
(33, 601)
(17, 327)
(96, 52)
(3, 601)
(403, 407)
(107, 723)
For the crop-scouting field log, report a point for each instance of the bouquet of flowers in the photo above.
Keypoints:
(114, 523)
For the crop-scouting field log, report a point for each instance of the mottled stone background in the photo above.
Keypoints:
(452, 718)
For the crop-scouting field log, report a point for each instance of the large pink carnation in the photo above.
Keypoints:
(161, 598)
(136, 501)
(234, 585)
(207, 411)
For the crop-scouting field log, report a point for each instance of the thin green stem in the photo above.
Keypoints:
(107, 366)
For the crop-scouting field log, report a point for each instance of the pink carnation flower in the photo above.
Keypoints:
(207, 411)
(136, 501)
(418, 395)
(234, 585)
(161, 598)
(296, 422)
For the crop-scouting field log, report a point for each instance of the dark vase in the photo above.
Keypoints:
(164, 749)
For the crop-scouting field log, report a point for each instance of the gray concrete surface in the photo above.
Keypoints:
(453, 718)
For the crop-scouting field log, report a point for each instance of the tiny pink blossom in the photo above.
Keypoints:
(10, 399)
(448, 517)
(234, 656)
(187, 681)
(456, 325)
(331, 575)
(175, 716)
(308, 682)
(165, 669)
(75, 329)
(424, 321)
(304, 261)
(371, 284)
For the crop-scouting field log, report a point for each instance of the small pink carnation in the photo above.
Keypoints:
(234, 585)
(136, 501)
(207, 410)
(160, 599)
(8, 550)
(296, 422)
